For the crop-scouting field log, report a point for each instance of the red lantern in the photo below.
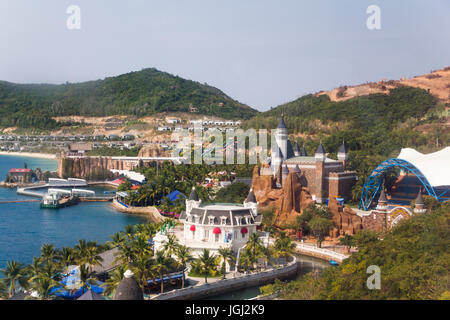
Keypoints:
(217, 231)
(244, 230)
(192, 228)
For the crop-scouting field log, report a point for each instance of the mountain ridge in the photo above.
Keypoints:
(139, 93)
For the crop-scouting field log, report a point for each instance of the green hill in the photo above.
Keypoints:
(413, 259)
(141, 93)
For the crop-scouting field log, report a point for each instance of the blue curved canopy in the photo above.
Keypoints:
(372, 186)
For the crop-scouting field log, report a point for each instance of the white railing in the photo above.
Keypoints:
(326, 252)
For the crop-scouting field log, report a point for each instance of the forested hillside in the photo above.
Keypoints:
(141, 93)
(413, 259)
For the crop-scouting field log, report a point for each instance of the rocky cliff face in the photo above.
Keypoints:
(91, 168)
(288, 202)
(345, 220)
(152, 151)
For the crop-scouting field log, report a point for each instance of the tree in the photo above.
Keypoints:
(48, 253)
(44, 286)
(207, 263)
(284, 247)
(347, 241)
(320, 227)
(184, 256)
(254, 245)
(14, 273)
(171, 245)
(125, 185)
(227, 257)
(160, 265)
(114, 279)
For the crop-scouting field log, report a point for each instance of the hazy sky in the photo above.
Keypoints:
(262, 53)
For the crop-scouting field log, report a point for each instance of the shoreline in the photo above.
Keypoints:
(29, 155)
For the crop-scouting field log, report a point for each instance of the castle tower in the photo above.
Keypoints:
(320, 157)
(297, 170)
(284, 174)
(420, 205)
(303, 152)
(343, 153)
(382, 201)
(193, 201)
(320, 154)
(251, 203)
(281, 137)
(296, 150)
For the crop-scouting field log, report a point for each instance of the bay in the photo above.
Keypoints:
(24, 227)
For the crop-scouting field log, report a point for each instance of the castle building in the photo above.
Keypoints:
(324, 177)
(215, 225)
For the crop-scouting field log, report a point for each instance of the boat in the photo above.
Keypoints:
(334, 263)
(56, 201)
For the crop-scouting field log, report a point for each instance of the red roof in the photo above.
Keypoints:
(20, 170)
(118, 181)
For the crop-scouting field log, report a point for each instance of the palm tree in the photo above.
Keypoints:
(160, 265)
(266, 253)
(254, 244)
(81, 251)
(48, 253)
(227, 257)
(117, 239)
(3, 289)
(141, 265)
(125, 255)
(14, 273)
(284, 247)
(92, 256)
(245, 259)
(86, 277)
(114, 279)
(43, 286)
(184, 256)
(171, 245)
(207, 263)
(67, 257)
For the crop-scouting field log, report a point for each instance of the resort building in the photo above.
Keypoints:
(20, 175)
(215, 226)
(324, 177)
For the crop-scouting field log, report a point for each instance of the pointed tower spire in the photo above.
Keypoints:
(251, 196)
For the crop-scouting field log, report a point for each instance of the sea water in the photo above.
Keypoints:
(24, 227)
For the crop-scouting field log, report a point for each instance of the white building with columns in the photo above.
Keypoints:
(214, 226)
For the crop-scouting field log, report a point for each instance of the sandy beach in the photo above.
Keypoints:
(29, 155)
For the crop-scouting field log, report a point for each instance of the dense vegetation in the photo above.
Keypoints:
(165, 178)
(375, 127)
(143, 93)
(413, 258)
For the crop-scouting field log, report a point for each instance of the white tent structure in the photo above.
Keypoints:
(434, 166)
(130, 174)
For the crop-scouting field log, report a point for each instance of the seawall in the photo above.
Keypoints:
(151, 212)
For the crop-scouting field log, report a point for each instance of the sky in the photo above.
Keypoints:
(261, 53)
